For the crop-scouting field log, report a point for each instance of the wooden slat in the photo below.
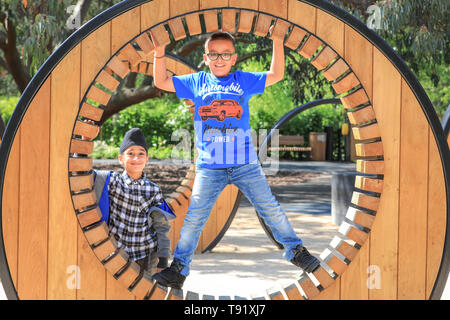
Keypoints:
(145, 44)
(116, 262)
(324, 58)
(98, 95)
(142, 288)
(116, 291)
(129, 275)
(362, 115)
(370, 167)
(125, 27)
(86, 130)
(369, 184)
(437, 213)
(155, 11)
(354, 280)
(97, 234)
(120, 68)
(207, 4)
(175, 294)
(346, 83)
(263, 22)
(323, 277)
(310, 47)
(161, 35)
(132, 56)
(244, 4)
(177, 29)
(89, 217)
(373, 149)
(80, 164)
(413, 202)
(178, 7)
(81, 146)
(295, 38)
(105, 249)
(63, 224)
(355, 99)
(353, 233)
(81, 182)
(365, 201)
(336, 264)
(211, 20)
(83, 200)
(229, 20)
(193, 23)
(158, 293)
(274, 294)
(245, 21)
(337, 69)
(293, 293)
(344, 248)
(91, 112)
(277, 8)
(34, 197)
(308, 287)
(302, 14)
(280, 29)
(359, 217)
(366, 132)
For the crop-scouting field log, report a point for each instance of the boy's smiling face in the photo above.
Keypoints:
(134, 160)
(220, 67)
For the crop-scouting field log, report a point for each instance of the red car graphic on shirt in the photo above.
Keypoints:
(221, 109)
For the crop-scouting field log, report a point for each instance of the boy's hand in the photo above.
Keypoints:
(276, 72)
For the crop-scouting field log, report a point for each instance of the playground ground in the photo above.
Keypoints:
(245, 262)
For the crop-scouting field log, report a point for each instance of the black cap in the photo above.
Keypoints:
(133, 137)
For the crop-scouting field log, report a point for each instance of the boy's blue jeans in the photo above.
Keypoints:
(208, 185)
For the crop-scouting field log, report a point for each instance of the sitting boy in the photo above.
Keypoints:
(225, 151)
(134, 208)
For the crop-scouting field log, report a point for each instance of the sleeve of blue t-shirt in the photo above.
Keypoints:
(185, 85)
(252, 82)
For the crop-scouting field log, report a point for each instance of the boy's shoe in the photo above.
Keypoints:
(303, 259)
(171, 276)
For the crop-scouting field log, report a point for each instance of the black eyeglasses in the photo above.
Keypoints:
(214, 56)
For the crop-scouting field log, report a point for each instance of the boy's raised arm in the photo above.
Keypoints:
(162, 80)
(276, 72)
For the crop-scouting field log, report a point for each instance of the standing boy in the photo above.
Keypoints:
(225, 151)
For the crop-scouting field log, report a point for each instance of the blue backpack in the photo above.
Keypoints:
(101, 182)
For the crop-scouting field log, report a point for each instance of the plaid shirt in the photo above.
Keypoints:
(130, 201)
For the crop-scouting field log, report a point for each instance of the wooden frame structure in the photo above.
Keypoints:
(400, 214)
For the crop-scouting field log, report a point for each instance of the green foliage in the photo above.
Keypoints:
(7, 105)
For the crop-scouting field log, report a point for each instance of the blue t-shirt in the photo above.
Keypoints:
(222, 118)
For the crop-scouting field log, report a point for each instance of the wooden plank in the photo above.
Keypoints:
(308, 287)
(263, 23)
(131, 54)
(323, 277)
(293, 293)
(295, 38)
(86, 218)
(324, 58)
(413, 202)
(161, 35)
(81, 146)
(370, 166)
(207, 4)
(90, 112)
(337, 265)
(211, 20)
(142, 288)
(280, 30)
(10, 207)
(244, 4)
(332, 292)
(437, 213)
(119, 67)
(277, 8)
(83, 200)
(359, 56)
(384, 234)
(105, 249)
(179, 7)
(116, 291)
(365, 201)
(34, 197)
(353, 233)
(79, 164)
(98, 95)
(362, 115)
(374, 149)
(359, 217)
(86, 130)
(97, 233)
(336, 70)
(245, 21)
(346, 249)
(354, 279)
(146, 45)
(158, 293)
(81, 182)
(310, 47)
(125, 27)
(229, 20)
(155, 11)
(368, 184)
(193, 23)
(366, 132)
(355, 99)
(330, 30)
(116, 262)
(129, 275)
(177, 29)
(63, 225)
(346, 83)
(303, 15)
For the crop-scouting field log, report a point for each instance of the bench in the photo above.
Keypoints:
(292, 143)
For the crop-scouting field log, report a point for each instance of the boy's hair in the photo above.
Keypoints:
(220, 35)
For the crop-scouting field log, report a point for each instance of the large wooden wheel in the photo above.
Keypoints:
(397, 237)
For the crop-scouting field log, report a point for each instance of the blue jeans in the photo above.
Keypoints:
(208, 185)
